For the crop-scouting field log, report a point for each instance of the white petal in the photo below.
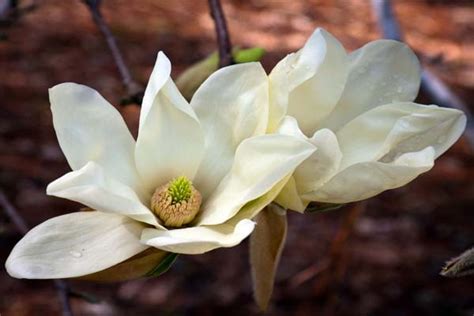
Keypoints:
(266, 246)
(381, 72)
(321, 165)
(232, 105)
(313, 100)
(159, 76)
(315, 170)
(393, 129)
(252, 208)
(75, 244)
(133, 268)
(92, 187)
(290, 199)
(366, 179)
(90, 129)
(197, 240)
(170, 141)
(260, 163)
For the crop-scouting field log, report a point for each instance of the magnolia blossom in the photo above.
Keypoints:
(357, 111)
(191, 182)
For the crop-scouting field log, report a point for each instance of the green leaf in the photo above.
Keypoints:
(190, 80)
(266, 245)
(322, 207)
(248, 55)
(89, 298)
(460, 266)
(163, 266)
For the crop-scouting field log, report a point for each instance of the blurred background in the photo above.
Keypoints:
(381, 257)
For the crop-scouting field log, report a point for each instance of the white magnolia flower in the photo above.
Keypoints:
(142, 191)
(357, 110)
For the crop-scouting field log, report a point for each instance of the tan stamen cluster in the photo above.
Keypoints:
(175, 214)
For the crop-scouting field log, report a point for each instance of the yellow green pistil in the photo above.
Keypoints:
(176, 203)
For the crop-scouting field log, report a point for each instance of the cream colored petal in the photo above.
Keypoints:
(321, 165)
(313, 100)
(366, 179)
(133, 268)
(74, 245)
(92, 187)
(290, 199)
(266, 246)
(308, 84)
(381, 72)
(198, 240)
(90, 129)
(388, 131)
(232, 105)
(260, 163)
(170, 141)
(316, 170)
(252, 208)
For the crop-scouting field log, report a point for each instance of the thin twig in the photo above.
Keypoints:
(10, 11)
(223, 38)
(13, 214)
(63, 293)
(17, 219)
(432, 86)
(134, 89)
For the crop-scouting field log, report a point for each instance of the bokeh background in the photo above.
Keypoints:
(382, 257)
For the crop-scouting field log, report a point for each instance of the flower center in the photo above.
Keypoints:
(176, 203)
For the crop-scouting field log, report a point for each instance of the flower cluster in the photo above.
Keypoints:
(324, 126)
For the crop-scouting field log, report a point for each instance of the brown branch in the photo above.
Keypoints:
(134, 90)
(17, 219)
(11, 11)
(223, 38)
(432, 86)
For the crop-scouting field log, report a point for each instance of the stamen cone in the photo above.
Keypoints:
(176, 203)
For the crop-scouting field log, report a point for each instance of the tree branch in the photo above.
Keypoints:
(223, 38)
(431, 85)
(11, 11)
(17, 219)
(134, 89)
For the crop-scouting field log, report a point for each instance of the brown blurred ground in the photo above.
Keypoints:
(389, 264)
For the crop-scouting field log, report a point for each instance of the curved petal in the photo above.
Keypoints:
(252, 208)
(91, 129)
(232, 105)
(200, 239)
(322, 164)
(260, 163)
(92, 187)
(381, 72)
(170, 141)
(308, 84)
(135, 267)
(316, 170)
(75, 244)
(388, 131)
(314, 99)
(366, 179)
(266, 245)
(289, 198)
